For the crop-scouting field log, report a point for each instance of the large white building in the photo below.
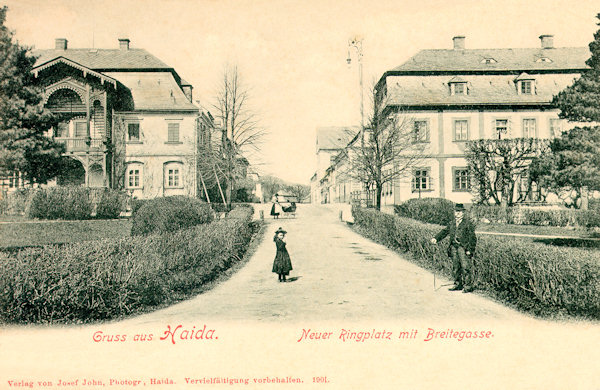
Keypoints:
(455, 95)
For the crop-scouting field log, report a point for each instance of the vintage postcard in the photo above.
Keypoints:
(327, 117)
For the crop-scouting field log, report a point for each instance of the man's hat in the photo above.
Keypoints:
(280, 230)
(459, 207)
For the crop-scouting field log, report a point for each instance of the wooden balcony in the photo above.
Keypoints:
(82, 144)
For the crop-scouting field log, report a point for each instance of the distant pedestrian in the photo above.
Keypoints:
(282, 265)
(461, 232)
(276, 208)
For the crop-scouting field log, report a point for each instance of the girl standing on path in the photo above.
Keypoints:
(282, 265)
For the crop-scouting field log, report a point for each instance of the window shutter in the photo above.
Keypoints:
(173, 132)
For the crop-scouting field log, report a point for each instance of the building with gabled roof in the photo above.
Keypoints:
(128, 120)
(455, 95)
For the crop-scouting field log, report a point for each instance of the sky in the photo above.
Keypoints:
(291, 55)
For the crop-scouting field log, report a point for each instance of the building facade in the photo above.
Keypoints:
(330, 142)
(456, 95)
(127, 119)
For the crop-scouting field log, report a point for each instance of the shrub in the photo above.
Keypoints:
(169, 214)
(430, 210)
(101, 280)
(61, 203)
(16, 202)
(534, 276)
(110, 204)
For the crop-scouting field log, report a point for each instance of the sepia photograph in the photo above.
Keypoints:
(265, 194)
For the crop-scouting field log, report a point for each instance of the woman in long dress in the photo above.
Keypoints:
(282, 265)
(276, 207)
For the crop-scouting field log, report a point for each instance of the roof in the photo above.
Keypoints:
(473, 60)
(154, 91)
(482, 90)
(335, 137)
(104, 59)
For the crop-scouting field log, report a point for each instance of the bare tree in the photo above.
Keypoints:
(387, 149)
(239, 129)
(499, 166)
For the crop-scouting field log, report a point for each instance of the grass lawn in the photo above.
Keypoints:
(533, 230)
(35, 233)
(573, 238)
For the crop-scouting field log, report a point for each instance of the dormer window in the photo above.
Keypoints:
(526, 87)
(525, 84)
(458, 86)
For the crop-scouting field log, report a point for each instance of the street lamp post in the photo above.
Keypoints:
(356, 43)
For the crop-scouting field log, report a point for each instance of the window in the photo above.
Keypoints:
(461, 130)
(133, 132)
(80, 129)
(421, 180)
(173, 175)
(526, 87)
(421, 131)
(62, 130)
(173, 133)
(460, 179)
(458, 88)
(555, 127)
(134, 175)
(529, 128)
(501, 127)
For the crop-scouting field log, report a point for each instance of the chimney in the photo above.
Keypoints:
(547, 41)
(459, 42)
(60, 44)
(124, 43)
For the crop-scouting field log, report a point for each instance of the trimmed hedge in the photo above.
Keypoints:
(110, 204)
(69, 203)
(169, 214)
(102, 280)
(16, 202)
(430, 210)
(61, 203)
(534, 276)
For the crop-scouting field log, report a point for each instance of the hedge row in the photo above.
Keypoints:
(430, 210)
(540, 217)
(535, 277)
(16, 202)
(68, 203)
(101, 280)
(169, 214)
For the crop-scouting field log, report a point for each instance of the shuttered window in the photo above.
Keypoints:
(173, 132)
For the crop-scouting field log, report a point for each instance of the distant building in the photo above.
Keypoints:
(330, 141)
(128, 119)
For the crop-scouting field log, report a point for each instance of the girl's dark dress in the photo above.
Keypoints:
(282, 264)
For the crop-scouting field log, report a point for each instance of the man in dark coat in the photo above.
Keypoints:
(461, 233)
